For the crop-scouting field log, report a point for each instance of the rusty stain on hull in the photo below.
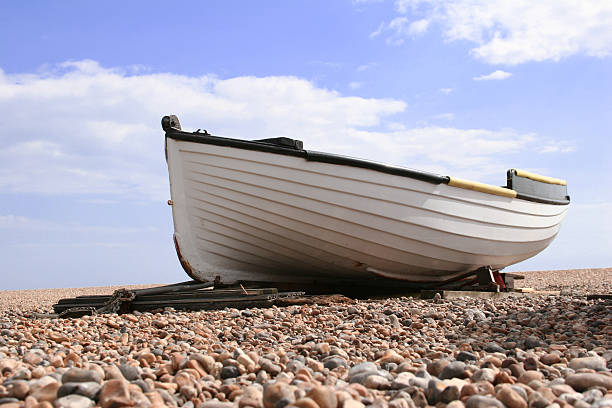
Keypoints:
(184, 263)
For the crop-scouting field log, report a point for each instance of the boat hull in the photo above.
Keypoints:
(247, 215)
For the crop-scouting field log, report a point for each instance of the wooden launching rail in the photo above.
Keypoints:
(190, 295)
(194, 295)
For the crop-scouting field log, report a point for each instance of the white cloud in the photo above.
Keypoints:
(402, 27)
(493, 76)
(81, 128)
(512, 32)
(355, 85)
(445, 91)
(377, 32)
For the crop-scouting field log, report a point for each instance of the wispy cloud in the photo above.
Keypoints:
(510, 32)
(445, 91)
(365, 67)
(402, 27)
(355, 85)
(493, 76)
(94, 130)
(377, 32)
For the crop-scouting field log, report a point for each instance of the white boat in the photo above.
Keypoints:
(270, 211)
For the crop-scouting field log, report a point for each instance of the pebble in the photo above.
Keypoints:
(592, 363)
(529, 376)
(493, 347)
(583, 381)
(78, 375)
(324, 397)
(114, 393)
(397, 353)
(481, 401)
(73, 401)
(550, 358)
(277, 394)
(511, 398)
(335, 362)
(230, 372)
(86, 389)
(466, 356)
(484, 374)
(456, 369)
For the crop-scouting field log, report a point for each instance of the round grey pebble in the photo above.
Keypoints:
(493, 347)
(335, 362)
(130, 372)
(456, 369)
(466, 356)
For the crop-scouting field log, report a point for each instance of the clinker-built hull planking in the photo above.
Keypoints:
(242, 214)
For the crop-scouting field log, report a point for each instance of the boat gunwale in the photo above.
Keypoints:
(331, 158)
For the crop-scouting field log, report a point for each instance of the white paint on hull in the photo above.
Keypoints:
(251, 215)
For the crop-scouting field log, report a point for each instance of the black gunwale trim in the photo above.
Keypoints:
(384, 168)
(528, 197)
(226, 141)
(309, 155)
(196, 137)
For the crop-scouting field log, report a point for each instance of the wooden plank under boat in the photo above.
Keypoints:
(270, 211)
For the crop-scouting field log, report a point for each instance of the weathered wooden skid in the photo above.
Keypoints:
(186, 295)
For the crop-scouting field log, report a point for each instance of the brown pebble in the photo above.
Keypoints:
(32, 358)
(58, 337)
(18, 389)
(352, 404)
(47, 393)
(468, 390)
(510, 398)
(324, 396)
(550, 358)
(503, 377)
(114, 394)
(11, 405)
(305, 403)
(435, 367)
(30, 402)
(275, 392)
(559, 389)
(215, 404)
(360, 389)
(538, 400)
(517, 369)
(529, 376)
(390, 356)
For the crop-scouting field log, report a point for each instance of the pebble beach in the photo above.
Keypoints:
(402, 352)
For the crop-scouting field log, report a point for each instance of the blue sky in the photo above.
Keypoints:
(468, 88)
